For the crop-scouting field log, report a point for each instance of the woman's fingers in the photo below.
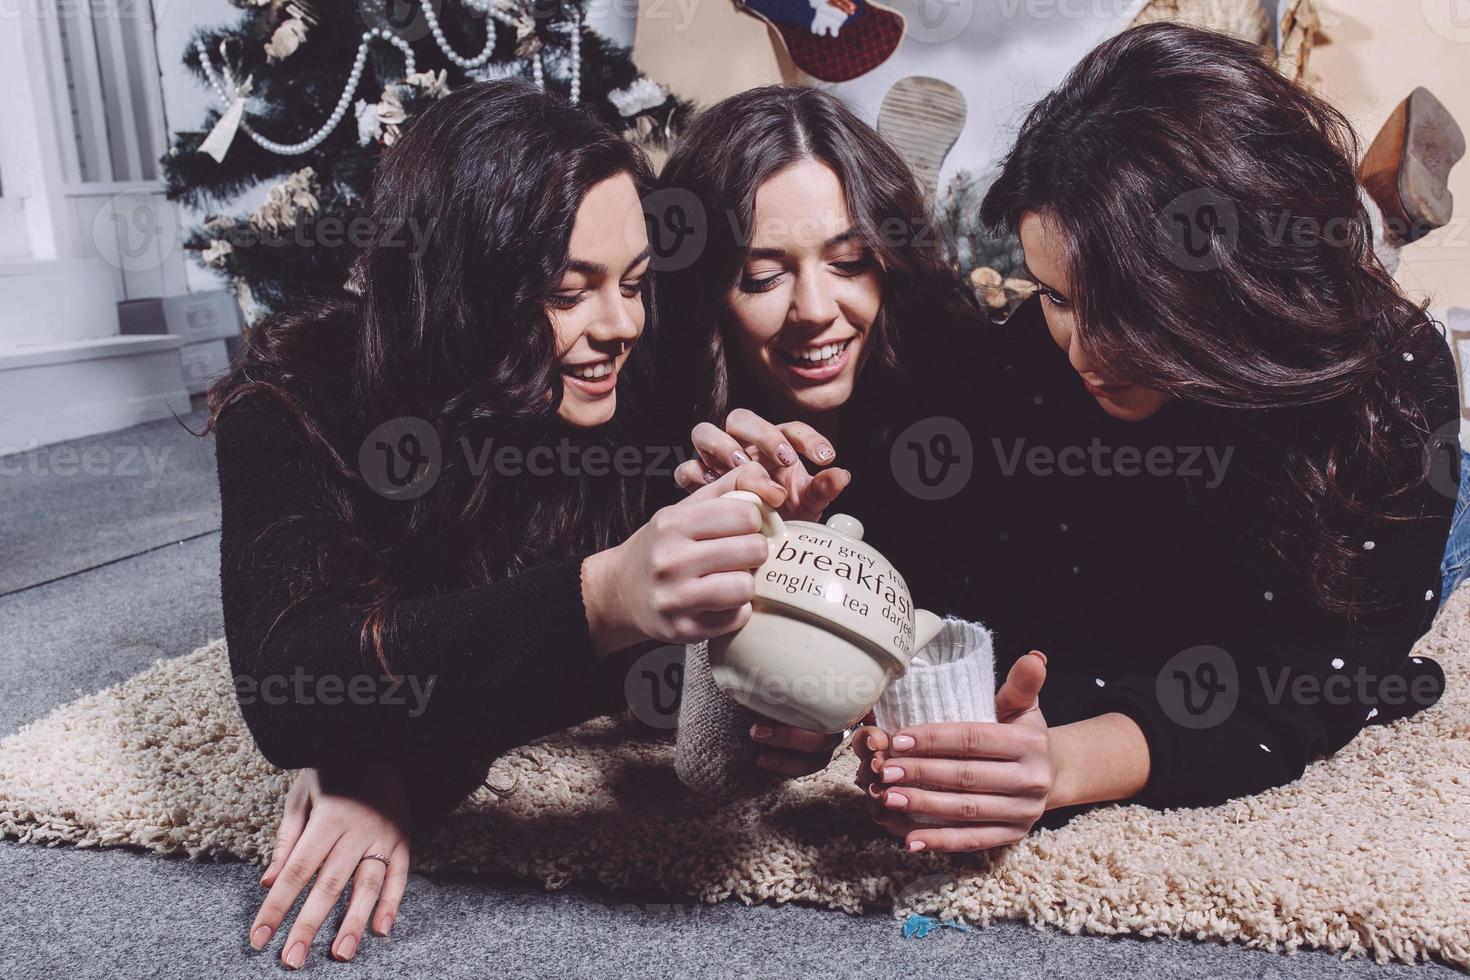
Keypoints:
(719, 622)
(962, 740)
(722, 591)
(977, 837)
(753, 477)
(963, 807)
(1022, 689)
(692, 474)
(306, 857)
(729, 554)
(750, 429)
(781, 736)
(824, 488)
(793, 764)
(392, 894)
(809, 442)
(719, 450)
(336, 872)
(367, 887)
(966, 775)
(293, 822)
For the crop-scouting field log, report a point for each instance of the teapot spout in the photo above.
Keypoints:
(926, 628)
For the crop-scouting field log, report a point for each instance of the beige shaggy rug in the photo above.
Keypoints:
(1366, 854)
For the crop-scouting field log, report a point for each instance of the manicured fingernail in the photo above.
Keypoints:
(740, 458)
(875, 790)
(347, 947)
(824, 452)
(876, 765)
(873, 743)
(296, 956)
(1038, 653)
(892, 774)
(260, 937)
(917, 845)
(710, 476)
(785, 455)
(385, 925)
(760, 732)
(896, 800)
(902, 743)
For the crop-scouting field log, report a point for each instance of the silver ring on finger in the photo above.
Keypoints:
(375, 857)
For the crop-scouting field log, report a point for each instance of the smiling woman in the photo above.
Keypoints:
(369, 527)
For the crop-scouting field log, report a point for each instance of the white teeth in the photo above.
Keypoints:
(592, 372)
(815, 355)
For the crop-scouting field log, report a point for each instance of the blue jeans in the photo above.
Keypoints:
(1456, 565)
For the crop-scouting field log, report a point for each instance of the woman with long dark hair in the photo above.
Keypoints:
(1216, 424)
(434, 537)
(821, 298)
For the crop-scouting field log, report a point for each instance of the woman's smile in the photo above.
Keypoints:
(818, 361)
(593, 378)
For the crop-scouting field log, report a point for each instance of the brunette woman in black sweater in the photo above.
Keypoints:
(1223, 450)
(819, 322)
(436, 495)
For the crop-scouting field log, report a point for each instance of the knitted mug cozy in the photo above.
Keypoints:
(713, 751)
(951, 679)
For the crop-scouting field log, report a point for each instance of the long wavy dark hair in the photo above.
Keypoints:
(722, 160)
(1281, 316)
(453, 330)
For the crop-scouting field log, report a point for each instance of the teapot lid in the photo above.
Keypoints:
(847, 525)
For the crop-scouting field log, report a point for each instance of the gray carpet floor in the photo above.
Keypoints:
(103, 571)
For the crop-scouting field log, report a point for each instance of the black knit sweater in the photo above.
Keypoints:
(1130, 555)
(484, 669)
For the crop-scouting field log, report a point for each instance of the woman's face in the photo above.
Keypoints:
(1045, 251)
(801, 316)
(597, 308)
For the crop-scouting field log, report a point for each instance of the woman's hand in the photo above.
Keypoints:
(993, 780)
(792, 751)
(327, 832)
(686, 575)
(748, 437)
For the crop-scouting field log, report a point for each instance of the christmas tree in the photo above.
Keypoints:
(310, 92)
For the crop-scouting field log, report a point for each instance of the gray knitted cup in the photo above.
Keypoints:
(713, 752)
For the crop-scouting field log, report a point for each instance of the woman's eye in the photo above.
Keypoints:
(632, 288)
(566, 300)
(852, 267)
(759, 284)
(1054, 298)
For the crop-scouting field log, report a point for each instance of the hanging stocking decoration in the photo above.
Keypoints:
(832, 40)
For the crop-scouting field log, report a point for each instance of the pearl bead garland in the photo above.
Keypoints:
(576, 55)
(443, 42)
(338, 112)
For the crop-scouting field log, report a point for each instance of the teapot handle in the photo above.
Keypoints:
(771, 524)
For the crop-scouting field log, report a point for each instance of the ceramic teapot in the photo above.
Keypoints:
(833, 623)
